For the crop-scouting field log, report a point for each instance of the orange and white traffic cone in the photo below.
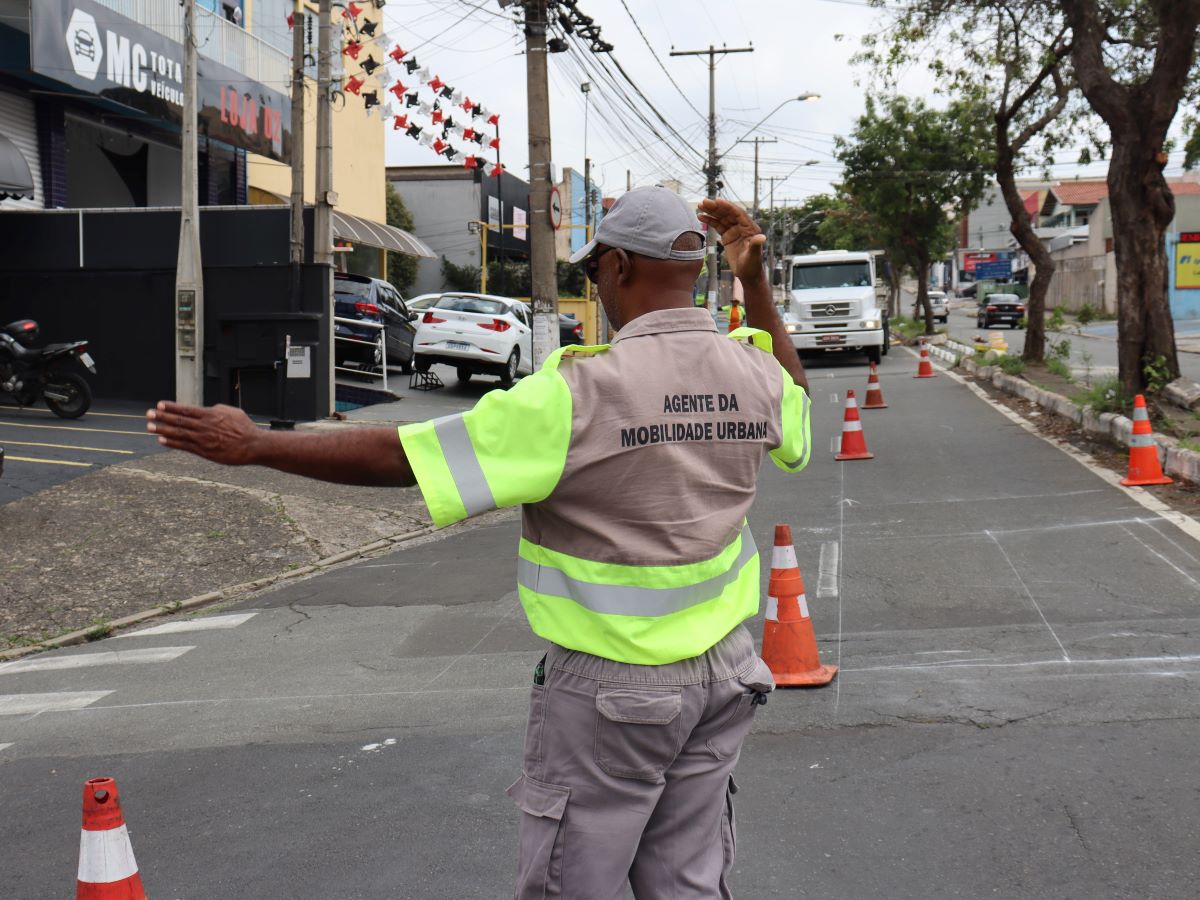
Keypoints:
(925, 369)
(854, 445)
(874, 392)
(107, 869)
(1144, 467)
(789, 647)
(735, 316)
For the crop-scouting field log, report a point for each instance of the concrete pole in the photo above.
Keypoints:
(297, 234)
(325, 197)
(541, 230)
(189, 269)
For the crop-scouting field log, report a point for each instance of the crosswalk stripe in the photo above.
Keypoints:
(48, 462)
(83, 660)
(205, 624)
(29, 704)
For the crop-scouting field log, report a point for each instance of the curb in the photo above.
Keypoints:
(1177, 461)
(84, 635)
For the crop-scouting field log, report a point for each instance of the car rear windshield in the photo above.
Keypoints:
(473, 305)
(352, 288)
(835, 275)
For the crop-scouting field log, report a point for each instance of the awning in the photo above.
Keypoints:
(375, 234)
(15, 178)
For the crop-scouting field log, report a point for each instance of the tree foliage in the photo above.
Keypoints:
(401, 268)
(914, 170)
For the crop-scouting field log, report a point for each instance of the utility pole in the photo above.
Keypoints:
(756, 142)
(712, 169)
(189, 269)
(325, 197)
(541, 231)
(297, 234)
(771, 233)
(628, 181)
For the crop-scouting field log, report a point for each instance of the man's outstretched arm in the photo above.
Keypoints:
(224, 434)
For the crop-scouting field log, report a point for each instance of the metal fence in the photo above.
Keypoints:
(380, 349)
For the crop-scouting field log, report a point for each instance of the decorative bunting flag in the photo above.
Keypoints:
(451, 154)
(466, 104)
(411, 99)
(352, 49)
(411, 65)
(494, 143)
(495, 172)
(368, 28)
(448, 93)
(351, 11)
(423, 75)
(471, 162)
(437, 84)
(354, 85)
(426, 139)
(450, 123)
(439, 146)
(494, 119)
(414, 131)
(370, 65)
(398, 89)
(400, 122)
(438, 117)
(387, 111)
(424, 108)
(291, 20)
(370, 98)
(468, 134)
(398, 53)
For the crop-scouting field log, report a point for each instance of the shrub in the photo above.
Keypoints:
(1012, 365)
(1057, 320)
(1104, 396)
(1060, 350)
(1059, 368)
(1086, 314)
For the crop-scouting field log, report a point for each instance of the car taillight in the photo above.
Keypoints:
(82, 348)
(430, 319)
(29, 326)
(577, 330)
(1020, 309)
(367, 309)
(495, 325)
(992, 308)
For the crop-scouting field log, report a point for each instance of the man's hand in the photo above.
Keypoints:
(743, 239)
(223, 434)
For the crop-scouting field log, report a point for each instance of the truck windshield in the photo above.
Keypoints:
(831, 275)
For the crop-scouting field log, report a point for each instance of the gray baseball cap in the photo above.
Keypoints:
(646, 220)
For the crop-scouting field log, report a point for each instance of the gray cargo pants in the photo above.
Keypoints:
(628, 774)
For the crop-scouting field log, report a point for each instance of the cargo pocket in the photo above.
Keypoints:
(540, 853)
(637, 729)
(755, 684)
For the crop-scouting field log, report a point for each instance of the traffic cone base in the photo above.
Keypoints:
(789, 646)
(1144, 467)
(874, 392)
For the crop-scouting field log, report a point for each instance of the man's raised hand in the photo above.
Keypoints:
(223, 434)
(742, 238)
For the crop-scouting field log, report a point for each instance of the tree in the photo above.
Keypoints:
(1134, 60)
(401, 268)
(912, 168)
(1012, 57)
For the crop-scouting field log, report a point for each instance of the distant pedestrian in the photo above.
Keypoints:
(636, 561)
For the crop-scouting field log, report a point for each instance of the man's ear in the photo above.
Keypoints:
(624, 266)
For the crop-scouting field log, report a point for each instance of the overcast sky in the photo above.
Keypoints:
(476, 48)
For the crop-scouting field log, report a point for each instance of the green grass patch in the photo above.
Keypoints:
(1059, 367)
(1104, 396)
(1011, 365)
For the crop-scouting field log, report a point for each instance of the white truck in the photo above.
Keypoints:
(833, 305)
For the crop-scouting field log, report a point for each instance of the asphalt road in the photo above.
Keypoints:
(42, 450)
(1015, 716)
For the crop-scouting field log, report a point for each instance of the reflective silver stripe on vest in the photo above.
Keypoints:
(624, 600)
(803, 446)
(464, 464)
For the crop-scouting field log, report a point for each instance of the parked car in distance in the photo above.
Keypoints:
(1006, 309)
(937, 304)
(371, 300)
(477, 334)
(570, 330)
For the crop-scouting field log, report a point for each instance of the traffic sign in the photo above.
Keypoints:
(555, 208)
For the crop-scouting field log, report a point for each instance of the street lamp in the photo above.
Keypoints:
(803, 98)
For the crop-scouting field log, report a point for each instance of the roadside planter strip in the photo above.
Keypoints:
(1177, 461)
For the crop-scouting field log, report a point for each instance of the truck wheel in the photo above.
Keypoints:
(874, 355)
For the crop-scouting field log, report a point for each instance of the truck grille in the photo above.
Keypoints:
(829, 310)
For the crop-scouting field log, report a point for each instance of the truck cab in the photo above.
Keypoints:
(833, 305)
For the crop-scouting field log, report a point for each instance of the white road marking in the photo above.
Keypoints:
(1029, 595)
(83, 660)
(972, 664)
(5, 746)
(837, 698)
(207, 623)
(827, 579)
(26, 704)
(939, 652)
(834, 440)
(1182, 572)
(833, 397)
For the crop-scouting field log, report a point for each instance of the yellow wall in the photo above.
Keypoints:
(359, 169)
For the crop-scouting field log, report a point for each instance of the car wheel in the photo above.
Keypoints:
(464, 374)
(420, 364)
(874, 355)
(509, 375)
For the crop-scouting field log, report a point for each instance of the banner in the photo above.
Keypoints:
(89, 47)
(1187, 261)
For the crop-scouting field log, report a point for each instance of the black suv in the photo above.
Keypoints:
(375, 301)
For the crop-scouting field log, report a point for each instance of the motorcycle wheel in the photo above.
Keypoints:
(75, 389)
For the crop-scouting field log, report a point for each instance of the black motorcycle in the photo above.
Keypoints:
(31, 373)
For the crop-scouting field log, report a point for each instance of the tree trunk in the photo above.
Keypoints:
(893, 291)
(1022, 229)
(1142, 208)
(923, 289)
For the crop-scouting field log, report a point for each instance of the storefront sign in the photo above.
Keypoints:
(92, 48)
(1187, 261)
(520, 219)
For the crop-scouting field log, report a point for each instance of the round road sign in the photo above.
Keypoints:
(555, 208)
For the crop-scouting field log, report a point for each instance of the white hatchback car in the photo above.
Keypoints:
(478, 334)
(938, 306)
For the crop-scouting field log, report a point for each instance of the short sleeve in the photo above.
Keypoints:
(793, 451)
(510, 449)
